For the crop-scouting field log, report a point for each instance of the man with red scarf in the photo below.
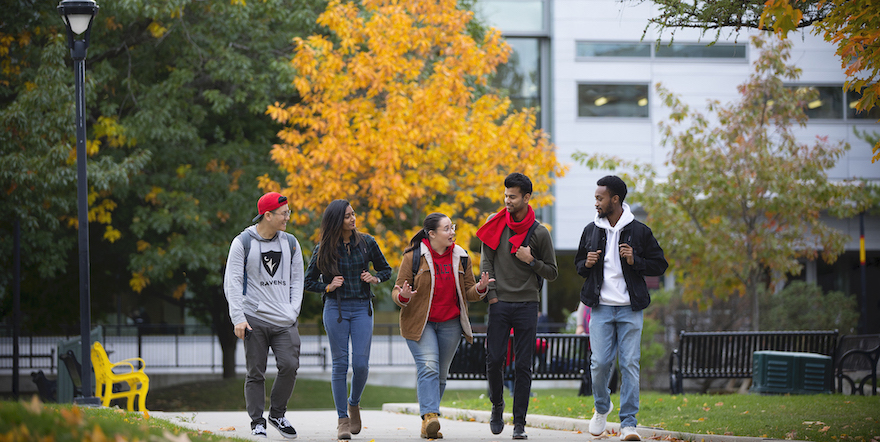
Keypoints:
(519, 271)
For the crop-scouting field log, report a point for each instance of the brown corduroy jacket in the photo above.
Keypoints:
(414, 314)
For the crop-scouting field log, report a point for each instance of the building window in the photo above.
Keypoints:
(691, 51)
(597, 49)
(613, 100)
(520, 76)
(512, 15)
(699, 50)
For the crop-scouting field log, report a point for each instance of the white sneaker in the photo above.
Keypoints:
(629, 433)
(597, 423)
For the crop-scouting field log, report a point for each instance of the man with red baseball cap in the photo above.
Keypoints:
(264, 287)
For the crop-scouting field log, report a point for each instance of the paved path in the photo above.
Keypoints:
(400, 422)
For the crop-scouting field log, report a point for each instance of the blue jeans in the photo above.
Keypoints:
(356, 325)
(616, 331)
(433, 354)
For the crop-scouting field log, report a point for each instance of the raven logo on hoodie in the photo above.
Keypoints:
(271, 261)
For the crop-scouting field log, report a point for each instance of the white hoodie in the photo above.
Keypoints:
(614, 291)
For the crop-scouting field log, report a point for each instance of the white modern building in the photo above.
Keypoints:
(588, 67)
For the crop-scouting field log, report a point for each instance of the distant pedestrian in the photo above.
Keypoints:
(615, 254)
(264, 288)
(517, 252)
(434, 297)
(339, 269)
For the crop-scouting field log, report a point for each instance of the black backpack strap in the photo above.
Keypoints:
(594, 238)
(529, 234)
(526, 242)
(416, 260)
(246, 243)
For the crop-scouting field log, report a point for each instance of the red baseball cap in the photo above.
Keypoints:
(268, 203)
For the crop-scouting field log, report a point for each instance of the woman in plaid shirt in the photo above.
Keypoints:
(340, 271)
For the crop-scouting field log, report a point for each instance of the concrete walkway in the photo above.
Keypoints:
(400, 422)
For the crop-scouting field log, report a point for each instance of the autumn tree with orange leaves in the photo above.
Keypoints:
(396, 117)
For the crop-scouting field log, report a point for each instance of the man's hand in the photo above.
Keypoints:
(525, 254)
(592, 258)
(626, 251)
(241, 328)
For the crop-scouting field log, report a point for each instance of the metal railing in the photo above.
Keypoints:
(186, 348)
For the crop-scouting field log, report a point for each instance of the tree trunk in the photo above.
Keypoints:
(223, 328)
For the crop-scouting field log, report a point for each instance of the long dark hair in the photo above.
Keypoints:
(331, 237)
(431, 223)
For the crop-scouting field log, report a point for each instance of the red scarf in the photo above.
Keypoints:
(490, 233)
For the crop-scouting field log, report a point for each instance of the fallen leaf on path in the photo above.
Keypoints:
(227, 429)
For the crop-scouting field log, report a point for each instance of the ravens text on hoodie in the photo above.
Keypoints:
(614, 291)
(274, 279)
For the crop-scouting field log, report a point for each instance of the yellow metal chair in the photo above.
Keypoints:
(108, 373)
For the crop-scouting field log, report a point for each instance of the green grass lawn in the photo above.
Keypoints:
(32, 420)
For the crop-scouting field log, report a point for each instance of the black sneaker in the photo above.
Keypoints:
(519, 432)
(259, 430)
(283, 426)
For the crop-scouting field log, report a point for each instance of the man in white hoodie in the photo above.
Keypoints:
(615, 254)
(264, 287)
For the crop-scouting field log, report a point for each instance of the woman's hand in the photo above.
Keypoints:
(369, 278)
(406, 291)
(484, 282)
(335, 283)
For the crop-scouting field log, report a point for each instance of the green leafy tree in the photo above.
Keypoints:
(182, 84)
(803, 306)
(743, 197)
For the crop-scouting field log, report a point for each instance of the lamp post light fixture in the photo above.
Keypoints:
(78, 16)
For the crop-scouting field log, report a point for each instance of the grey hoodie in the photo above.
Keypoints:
(274, 280)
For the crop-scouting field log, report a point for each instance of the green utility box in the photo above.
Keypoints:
(791, 372)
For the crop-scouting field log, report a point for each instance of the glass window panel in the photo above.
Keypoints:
(512, 15)
(585, 49)
(519, 76)
(698, 50)
(613, 100)
(851, 98)
(827, 105)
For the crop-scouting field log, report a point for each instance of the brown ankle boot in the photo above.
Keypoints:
(354, 414)
(431, 427)
(342, 429)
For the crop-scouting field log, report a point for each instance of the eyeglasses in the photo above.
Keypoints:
(283, 214)
(451, 228)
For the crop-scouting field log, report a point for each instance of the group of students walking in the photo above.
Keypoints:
(265, 279)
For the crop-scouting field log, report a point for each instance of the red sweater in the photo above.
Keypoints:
(444, 304)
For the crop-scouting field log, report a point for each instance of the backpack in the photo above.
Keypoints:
(246, 243)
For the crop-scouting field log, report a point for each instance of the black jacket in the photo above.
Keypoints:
(648, 260)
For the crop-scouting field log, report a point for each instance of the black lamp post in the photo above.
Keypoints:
(78, 16)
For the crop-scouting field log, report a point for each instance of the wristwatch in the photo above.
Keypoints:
(532, 264)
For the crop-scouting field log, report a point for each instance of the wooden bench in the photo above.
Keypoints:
(564, 357)
(728, 354)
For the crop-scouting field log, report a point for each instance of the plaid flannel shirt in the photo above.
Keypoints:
(352, 262)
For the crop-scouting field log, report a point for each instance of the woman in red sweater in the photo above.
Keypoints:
(434, 309)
